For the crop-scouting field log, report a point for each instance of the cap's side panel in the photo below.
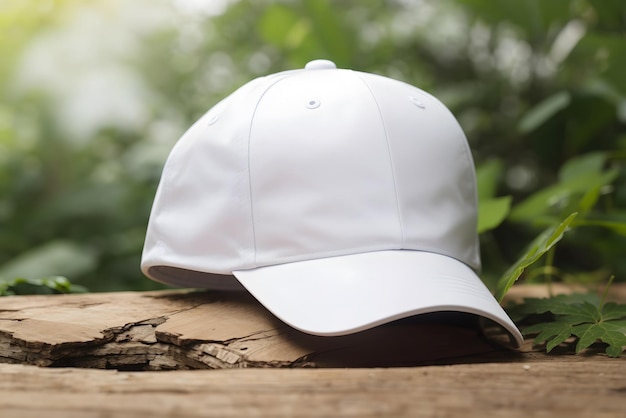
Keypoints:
(433, 169)
(201, 215)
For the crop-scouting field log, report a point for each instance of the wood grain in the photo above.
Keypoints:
(547, 389)
(197, 330)
(192, 354)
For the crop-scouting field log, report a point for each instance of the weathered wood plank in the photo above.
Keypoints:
(194, 330)
(545, 389)
(183, 330)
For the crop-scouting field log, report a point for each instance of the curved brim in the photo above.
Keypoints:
(346, 294)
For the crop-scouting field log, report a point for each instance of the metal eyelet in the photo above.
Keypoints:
(313, 104)
(417, 102)
(214, 118)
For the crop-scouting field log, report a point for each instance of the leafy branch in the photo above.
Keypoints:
(573, 319)
(537, 248)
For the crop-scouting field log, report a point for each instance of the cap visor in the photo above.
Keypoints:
(346, 294)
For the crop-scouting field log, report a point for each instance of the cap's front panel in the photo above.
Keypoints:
(321, 178)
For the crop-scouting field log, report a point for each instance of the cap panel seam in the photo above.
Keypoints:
(330, 254)
(470, 179)
(443, 251)
(389, 154)
(256, 107)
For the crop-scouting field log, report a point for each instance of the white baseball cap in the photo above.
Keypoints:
(341, 200)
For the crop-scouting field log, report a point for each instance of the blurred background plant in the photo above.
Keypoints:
(93, 95)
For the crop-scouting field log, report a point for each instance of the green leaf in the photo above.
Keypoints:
(551, 333)
(589, 199)
(540, 245)
(565, 195)
(42, 286)
(559, 338)
(616, 325)
(582, 165)
(579, 316)
(590, 333)
(488, 176)
(616, 349)
(612, 310)
(615, 226)
(491, 212)
(544, 111)
(587, 334)
(559, 304)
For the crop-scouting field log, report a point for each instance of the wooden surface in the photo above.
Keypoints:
(173, 330)
(554, 388)
(405, 369)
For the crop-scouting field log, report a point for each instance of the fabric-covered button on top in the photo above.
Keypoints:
(320, 65)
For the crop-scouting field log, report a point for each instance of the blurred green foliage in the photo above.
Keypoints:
(94, 94)
(43, 286)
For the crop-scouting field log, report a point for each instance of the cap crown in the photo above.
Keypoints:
(310, 164)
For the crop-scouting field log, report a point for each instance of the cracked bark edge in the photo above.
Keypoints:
(137, 347)
(80, 330)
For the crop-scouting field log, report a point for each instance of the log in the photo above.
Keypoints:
(94, 344)
(173, 330)
(185, 329)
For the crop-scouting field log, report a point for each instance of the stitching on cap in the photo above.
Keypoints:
(470, 180)
(256, 107)
(391, 164)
